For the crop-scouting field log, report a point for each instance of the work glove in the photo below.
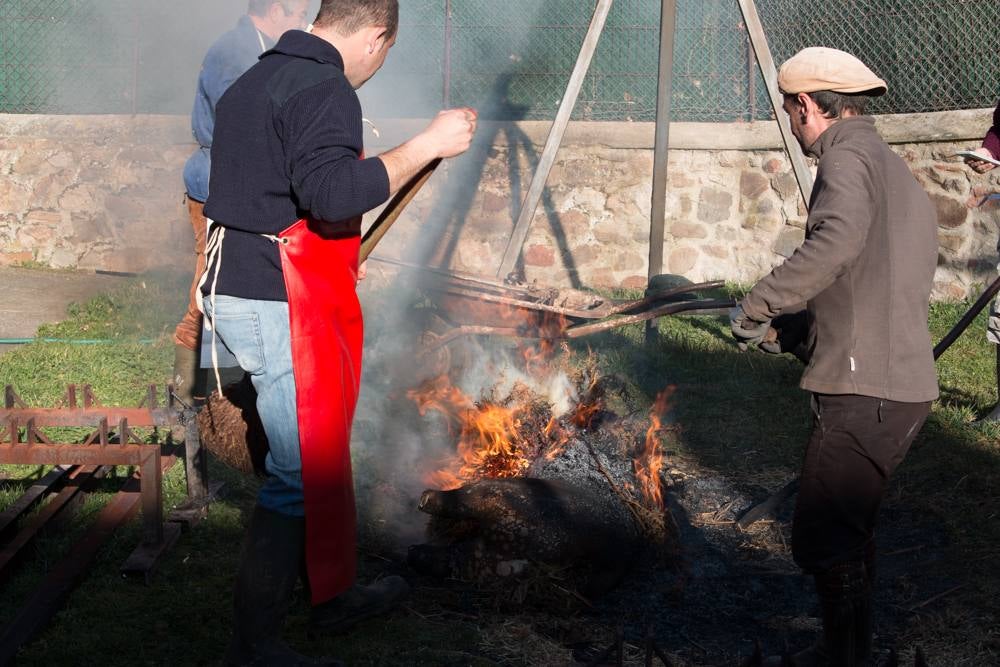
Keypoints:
(746, 331)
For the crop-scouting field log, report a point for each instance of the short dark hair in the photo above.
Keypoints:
(260, 7)
(349, 16)
(833, 105)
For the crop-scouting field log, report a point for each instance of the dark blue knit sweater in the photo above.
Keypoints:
(287, 145)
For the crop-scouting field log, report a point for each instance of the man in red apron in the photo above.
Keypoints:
(288, 187)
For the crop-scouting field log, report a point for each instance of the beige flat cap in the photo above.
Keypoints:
(820, 68)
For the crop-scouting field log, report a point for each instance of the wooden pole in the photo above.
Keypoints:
(530, 204)
(394, 208)
(661, 144)
(758, 41)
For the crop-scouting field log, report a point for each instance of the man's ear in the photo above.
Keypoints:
(375, 39)
(275, 12)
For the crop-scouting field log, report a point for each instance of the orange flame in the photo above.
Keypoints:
(650, 461)
(489, 440)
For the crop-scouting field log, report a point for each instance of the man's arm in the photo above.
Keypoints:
(322, 128)
(448, 135)
(842, 211)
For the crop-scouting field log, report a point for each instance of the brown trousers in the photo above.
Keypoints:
(188, 331)
(856, 444)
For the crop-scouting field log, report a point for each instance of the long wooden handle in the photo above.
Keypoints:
(394, 209)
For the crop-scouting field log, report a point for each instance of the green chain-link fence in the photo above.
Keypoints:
(512, 59)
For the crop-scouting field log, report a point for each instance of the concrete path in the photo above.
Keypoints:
(31, 297)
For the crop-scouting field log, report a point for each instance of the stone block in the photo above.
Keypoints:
(43, 218)
(952, 214)
(493, 202)
(717, 251)
(714, 205)
(786, 185)
(635, 282)
(687, 230)
(788, 240)
(950, 242)
(16, 257)
(682, 260)
(539, 255)
(629, 261)
(774, 165)
(752, 184)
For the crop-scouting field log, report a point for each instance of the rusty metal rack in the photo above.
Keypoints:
(112, 443)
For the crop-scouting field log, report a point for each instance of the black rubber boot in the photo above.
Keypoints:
(845, 596)
(994, 415)
(269, 568)
(357, 604)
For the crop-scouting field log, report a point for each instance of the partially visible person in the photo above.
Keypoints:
(865, 272)
(227, 59)
(290, 182)
(991, 148)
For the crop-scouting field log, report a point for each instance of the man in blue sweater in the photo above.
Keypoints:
(289, 185)
(228, 58)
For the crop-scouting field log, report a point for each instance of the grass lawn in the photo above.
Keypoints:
(740, 415)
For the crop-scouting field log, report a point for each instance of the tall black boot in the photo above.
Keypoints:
(845, 596)
(269, 568)
(994, 415)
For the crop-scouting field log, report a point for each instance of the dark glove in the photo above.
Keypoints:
(746, 331)
(788, 333)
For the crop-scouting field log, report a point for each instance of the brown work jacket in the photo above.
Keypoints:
(865, 270)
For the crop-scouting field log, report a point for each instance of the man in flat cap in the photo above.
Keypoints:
(865, 272)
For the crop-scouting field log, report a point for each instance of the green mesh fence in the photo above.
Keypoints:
(512, 59)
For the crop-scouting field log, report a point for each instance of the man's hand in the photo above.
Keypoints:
(746, 331)
(450, 133)
(982, 166)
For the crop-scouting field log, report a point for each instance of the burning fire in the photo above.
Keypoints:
(493, 440)
(650, 460)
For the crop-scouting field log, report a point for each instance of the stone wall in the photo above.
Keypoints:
(93, 192)
(105, 193)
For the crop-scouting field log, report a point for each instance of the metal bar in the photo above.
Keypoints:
(30, 498)
(14, 550)
(668, 309)
(71, 396)
(661, 141)
(967, 319)
(56, 587)
(151, 492)
(123, 432)
(770, 73)
(530, 203)
(92, 416)
(195, 463)
(68, 454)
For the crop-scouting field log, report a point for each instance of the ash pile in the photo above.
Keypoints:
(526, 473)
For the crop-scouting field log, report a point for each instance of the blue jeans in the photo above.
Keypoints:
(257, 333)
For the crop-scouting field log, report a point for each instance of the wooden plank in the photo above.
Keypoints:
(762, 52)
(661, 141)
(520, 233)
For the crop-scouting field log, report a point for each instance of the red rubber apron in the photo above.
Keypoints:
(326, 337)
